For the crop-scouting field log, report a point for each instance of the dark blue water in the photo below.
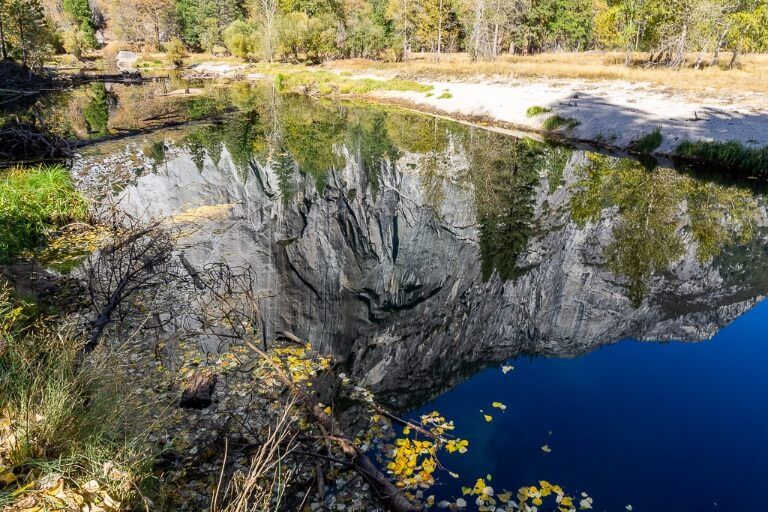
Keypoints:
(663, 427)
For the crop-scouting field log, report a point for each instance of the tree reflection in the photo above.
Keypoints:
(504, 172)
(658, 211)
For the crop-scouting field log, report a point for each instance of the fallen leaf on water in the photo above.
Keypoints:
(507, 368)
(499, 405)
(488, 417)
(546, 449)
(628, 507)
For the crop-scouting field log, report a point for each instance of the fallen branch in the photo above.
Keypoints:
(389, 495)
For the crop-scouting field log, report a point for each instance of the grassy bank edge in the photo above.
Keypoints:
(33, 202)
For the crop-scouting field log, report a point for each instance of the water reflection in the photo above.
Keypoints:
(417, 250)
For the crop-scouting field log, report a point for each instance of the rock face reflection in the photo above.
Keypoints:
(417, 250)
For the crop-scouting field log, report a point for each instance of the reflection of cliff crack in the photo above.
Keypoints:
(301, 278)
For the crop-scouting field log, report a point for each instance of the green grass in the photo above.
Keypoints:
(445, 96)
(649, 142)
(325, 83)
(537, 111)
(732, 155)
(33, 202)
(557, 121)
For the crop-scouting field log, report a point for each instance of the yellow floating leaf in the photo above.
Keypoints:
(488, 418)
(546, 449)
(499, 405)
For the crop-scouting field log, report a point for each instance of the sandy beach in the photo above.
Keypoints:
(614, 113)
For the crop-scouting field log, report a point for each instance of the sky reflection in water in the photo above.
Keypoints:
(674, 426)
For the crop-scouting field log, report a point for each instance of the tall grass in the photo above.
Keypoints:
(732, 156)
(649, 142)
(557, 121)
(751, 75)
(262, 488)
(32, 202)
(60, 415)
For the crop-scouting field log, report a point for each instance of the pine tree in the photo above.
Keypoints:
(82, 15)
(25, 34)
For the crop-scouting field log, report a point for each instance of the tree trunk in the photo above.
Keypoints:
(477, 29)
(718, 45)
(439, 30)
(734, 58)
(3, 51)
(23, 44)
(680, 50)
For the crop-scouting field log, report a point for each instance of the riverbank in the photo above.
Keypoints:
(618, 114)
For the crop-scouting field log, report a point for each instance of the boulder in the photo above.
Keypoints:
(126, 60)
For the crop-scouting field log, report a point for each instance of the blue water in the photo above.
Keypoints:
(664, 427)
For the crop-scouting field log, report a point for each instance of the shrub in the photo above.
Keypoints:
(32, 202)
(210, 35)
(176, 51)
(241, 39)
(76, 42)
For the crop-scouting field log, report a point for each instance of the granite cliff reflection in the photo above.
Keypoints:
(416, 250)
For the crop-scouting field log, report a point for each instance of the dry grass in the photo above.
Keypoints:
(750, 76)
(262, 488)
